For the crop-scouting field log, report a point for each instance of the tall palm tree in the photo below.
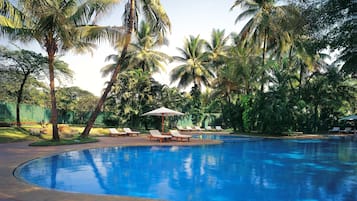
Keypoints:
(217, 47)
(141, 53)
(156, 16)
(195, 68)
(57, 26)
(246, 60)
(262, 29)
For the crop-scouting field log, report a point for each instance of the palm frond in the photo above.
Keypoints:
(157, 17)
(114, 35)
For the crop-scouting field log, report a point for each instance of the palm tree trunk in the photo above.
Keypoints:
(316, 110)
(19, 100)
(113, 79)
(289, 65)
(264, 50)
(54, 115)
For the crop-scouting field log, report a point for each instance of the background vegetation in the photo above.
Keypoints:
(291, 68)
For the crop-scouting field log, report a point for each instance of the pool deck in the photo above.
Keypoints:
(14, 154)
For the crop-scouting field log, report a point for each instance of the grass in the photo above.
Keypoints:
(14, 134)
(72, 141)
(9, 134)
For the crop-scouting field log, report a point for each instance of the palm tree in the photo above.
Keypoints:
(244, 61)
(263, 29)
(57, 26)
(141, 53)
(156, 16)
(141, 61)
(217, 47)
(195, 69)
(129, 94)
(329, 92)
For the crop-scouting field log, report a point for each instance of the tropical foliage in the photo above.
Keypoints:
(135, 93)
(74, 104)
(158, 23)
(274, 76)
(26, 67)
(57, 26)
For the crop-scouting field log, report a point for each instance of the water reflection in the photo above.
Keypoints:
(248, 170)
(53, 173)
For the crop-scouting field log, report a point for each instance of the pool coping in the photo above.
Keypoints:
(13, 155)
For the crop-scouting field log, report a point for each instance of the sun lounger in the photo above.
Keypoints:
(209, 128)
(335, 130)
(178, 136)
(189, 129)
(155, 134)
(347, 130)
(219, 128)
(186, 129)
(114, 132)
(130, 132)
(197, 128)
(180, 128)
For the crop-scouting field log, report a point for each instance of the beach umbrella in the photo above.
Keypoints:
(163, 112)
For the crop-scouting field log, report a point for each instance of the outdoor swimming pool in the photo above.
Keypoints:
(240, 169)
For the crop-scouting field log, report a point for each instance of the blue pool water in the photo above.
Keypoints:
(239, 169)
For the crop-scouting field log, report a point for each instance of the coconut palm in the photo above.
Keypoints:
(263, 29)
(195, 66)
(156, 16)
(57, 26)
(141, 53)
(217, 47)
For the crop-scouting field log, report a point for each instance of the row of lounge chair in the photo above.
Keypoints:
(126, 132)
(154, 134)
(197, 128)
(338, 130)
(173, 135)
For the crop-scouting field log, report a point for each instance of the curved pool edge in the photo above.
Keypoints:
(14, 155)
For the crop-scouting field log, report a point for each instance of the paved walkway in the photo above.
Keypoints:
(14, 154)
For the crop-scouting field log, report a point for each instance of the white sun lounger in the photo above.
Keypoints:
(114, 132)
(335, 129)
(130, 132)
(178, 136)
(155, 134)
(219, 128)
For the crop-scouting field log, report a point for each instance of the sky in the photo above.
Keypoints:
(188, 17)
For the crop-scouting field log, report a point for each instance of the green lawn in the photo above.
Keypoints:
(9, 134)
(13, 134)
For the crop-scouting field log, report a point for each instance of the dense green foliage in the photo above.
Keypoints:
(25, 66)
(156, 24)
(273, 76)
(332, 25)
(74, 104)
(57, 26)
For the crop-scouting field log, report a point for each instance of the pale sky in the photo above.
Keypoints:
(188, 17)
